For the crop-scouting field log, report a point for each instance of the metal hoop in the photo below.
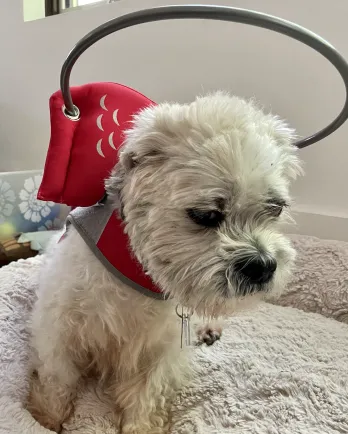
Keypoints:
(220, 13)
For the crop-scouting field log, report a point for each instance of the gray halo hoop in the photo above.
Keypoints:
(219, 13)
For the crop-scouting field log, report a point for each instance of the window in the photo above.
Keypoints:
(54, 7)
(35, 9)
(85, 2)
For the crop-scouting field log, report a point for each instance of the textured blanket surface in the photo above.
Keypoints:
(276, 369)
(320, 283)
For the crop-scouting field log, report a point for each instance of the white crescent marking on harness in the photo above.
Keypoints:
(99, 124)
(111, 141)
(99, 149)
(102, 102)
(114, 116)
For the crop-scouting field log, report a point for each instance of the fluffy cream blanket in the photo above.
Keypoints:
(276, 370)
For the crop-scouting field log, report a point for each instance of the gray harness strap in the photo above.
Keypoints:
(90, 223)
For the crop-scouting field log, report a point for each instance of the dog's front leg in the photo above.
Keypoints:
(52, 391)
(144, 397)
(55, 378)
(144, 404)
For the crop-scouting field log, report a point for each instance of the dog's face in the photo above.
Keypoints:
(203, 189)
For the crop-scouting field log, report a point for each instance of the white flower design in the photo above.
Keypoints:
(51, 225)
(7, 197)
(32, 208)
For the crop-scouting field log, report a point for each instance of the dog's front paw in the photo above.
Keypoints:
(208, 334)
(131, 429)
(50, 403)
(157, 423)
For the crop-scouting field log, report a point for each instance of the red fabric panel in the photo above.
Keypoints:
(118, 254)
(82, 153)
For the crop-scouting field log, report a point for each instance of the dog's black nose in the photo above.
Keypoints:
(257, 270)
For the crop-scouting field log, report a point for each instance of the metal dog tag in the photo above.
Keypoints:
(185, 336)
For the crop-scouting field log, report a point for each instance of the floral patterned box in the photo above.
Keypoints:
(21, 211)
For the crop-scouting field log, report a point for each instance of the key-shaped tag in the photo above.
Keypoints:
(185, 327)
(187, 330)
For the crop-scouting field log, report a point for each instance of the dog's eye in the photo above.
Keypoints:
(209, 219)
(275, 210)
(276, 206)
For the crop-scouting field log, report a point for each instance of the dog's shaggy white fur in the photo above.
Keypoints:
(201, 188)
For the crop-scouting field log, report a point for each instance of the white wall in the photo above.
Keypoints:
(175, 61)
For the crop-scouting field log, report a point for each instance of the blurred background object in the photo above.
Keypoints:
(36, 9)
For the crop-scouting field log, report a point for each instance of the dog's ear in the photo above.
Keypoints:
(149, 139)
(132, 155)
(285, 137)
(114, 185)
(128, 161)
(146, 145)
(144, 155)
(280, 130)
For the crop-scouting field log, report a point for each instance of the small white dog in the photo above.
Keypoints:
(201, 189)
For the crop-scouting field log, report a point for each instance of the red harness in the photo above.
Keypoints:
(81, 155)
